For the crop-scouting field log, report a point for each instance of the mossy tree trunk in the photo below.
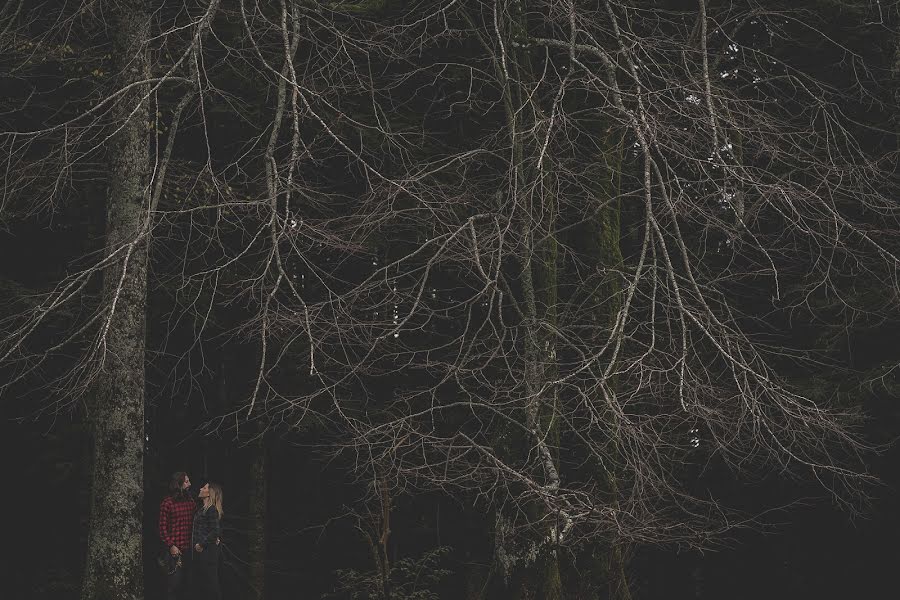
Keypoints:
(535, 574)
(597, 242)
(114, 568)
(539, 282)
(257, 539)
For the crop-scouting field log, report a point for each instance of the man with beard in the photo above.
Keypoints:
(176, 515)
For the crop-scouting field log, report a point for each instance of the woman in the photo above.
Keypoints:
(205, 535)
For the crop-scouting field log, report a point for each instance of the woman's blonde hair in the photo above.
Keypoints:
(215, 497)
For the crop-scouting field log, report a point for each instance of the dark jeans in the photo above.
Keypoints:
(205, 574)
(178, 579)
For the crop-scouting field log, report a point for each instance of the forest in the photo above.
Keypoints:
(455, 299)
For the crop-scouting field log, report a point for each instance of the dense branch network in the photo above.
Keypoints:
(511, 250)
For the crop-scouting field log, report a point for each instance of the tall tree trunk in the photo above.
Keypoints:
(536, 574)
(598, 241)
(258, 502)
(254, 459)
(539, 281)
(114, 569)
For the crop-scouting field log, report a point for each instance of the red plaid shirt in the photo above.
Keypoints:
(175, 520)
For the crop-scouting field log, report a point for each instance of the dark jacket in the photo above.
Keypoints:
(207, 527)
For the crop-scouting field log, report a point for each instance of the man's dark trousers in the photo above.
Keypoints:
(178, 580)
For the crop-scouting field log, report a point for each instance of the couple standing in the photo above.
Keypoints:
(190, 533)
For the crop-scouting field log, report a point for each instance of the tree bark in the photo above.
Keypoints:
(599, 241)
(258, 503)
(114, 568)
(536, 575)
(540, 280)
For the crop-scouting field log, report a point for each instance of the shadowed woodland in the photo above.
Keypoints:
(463, 299)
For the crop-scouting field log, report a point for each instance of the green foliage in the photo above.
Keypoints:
(411, 578)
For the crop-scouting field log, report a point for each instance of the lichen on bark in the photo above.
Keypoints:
(597, 241)
(114, 567)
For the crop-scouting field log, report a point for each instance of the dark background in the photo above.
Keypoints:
(815, 550)
(809, 546)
